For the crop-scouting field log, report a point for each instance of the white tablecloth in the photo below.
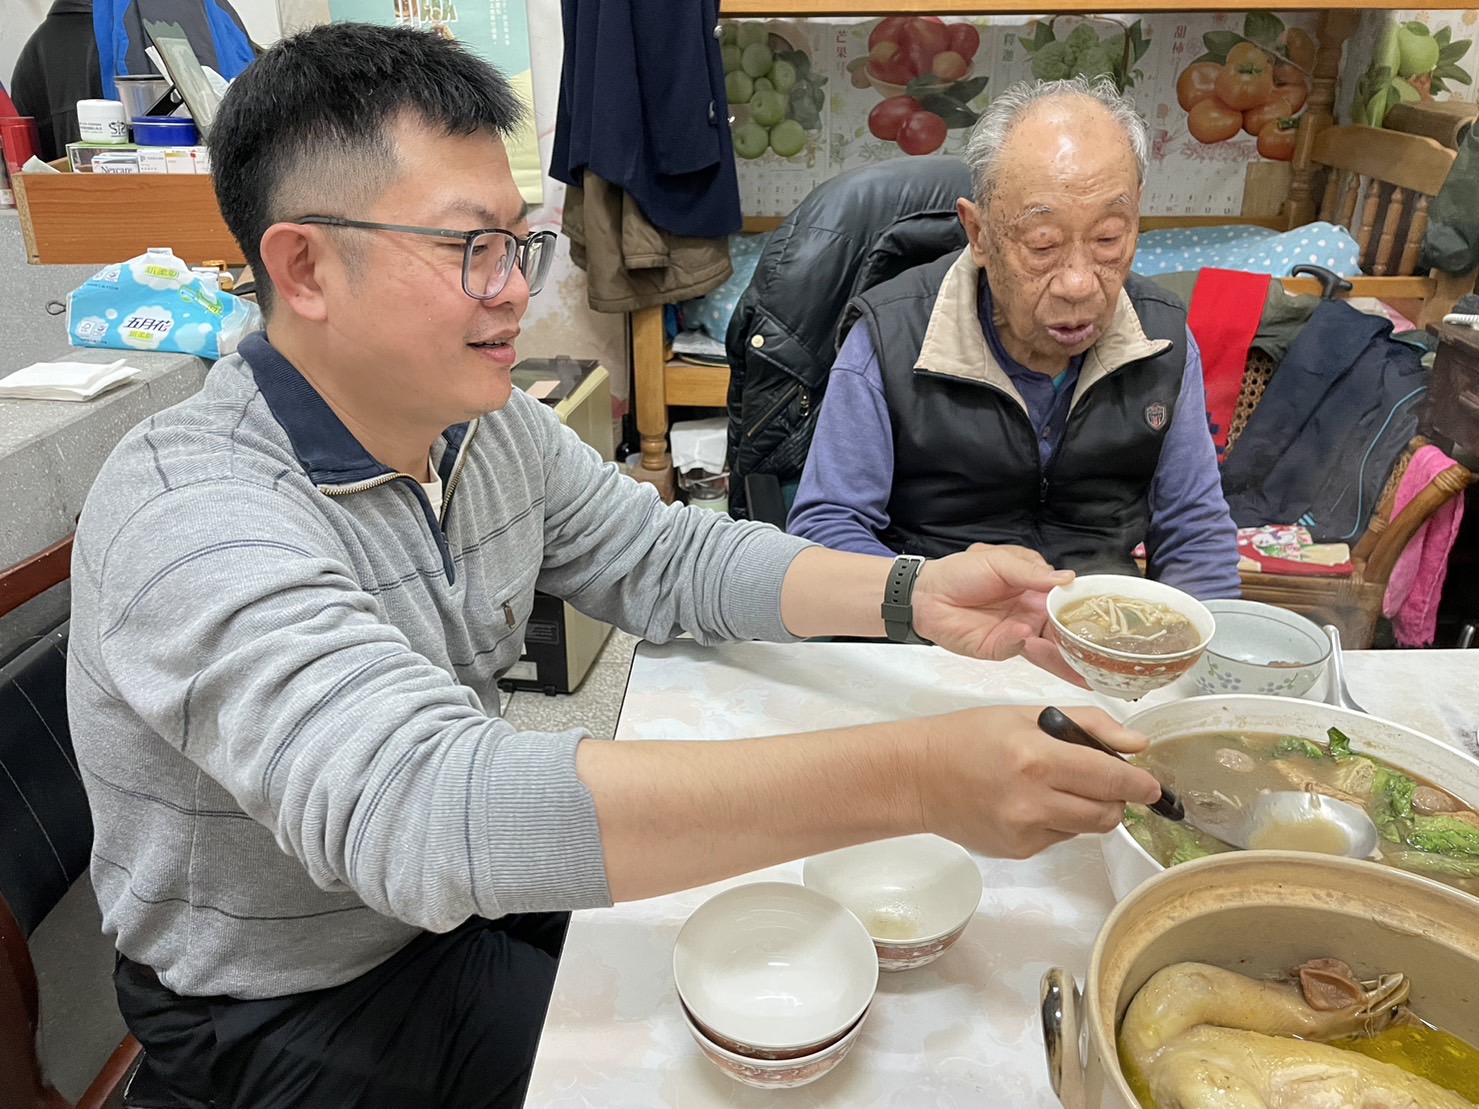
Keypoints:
(961, 1032)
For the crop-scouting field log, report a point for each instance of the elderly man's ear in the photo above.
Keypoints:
(973, 219)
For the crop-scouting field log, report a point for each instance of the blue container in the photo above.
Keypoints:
(165, 131)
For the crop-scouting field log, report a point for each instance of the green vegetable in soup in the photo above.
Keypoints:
(1187, 850)
(1392, 808)
(1293, 745)
(1445, 867)
(1165, 839)
(1444, 834)
(1340, 744)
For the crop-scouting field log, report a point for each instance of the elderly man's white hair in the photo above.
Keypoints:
(1000, 119)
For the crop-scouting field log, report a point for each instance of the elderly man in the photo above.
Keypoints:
(1030, 389)
(336, 876)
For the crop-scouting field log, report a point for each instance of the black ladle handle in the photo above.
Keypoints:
(1059, 726)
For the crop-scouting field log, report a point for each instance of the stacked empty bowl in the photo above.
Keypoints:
(775, 979)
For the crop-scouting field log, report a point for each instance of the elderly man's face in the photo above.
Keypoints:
(1057, 235)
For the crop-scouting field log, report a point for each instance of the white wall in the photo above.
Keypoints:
(18, 18)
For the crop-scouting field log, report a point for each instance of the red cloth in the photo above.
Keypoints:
(1226, 308)
(1416, 584)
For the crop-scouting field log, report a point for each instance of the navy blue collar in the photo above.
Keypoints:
(327, 449)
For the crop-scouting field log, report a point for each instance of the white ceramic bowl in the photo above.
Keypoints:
(1421, 755)
(773, 969)
(1120, 673)
(773, 1074)
(914, 894)
(1259, 648)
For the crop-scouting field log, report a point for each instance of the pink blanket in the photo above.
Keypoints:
(1416, 584)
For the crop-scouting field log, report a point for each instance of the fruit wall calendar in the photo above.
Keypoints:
(810, 99)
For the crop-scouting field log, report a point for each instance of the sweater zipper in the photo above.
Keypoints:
(438, 536)
(774, 410)
(457, 469)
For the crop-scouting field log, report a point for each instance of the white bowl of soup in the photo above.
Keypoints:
(1215, 752)
(1126, 635)
(1261, 648)
(1258, 916)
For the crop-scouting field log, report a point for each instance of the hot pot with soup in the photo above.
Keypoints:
(1219, 753)
(1276, 979)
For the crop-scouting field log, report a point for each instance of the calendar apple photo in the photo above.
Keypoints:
(921, 67)
(775, 96)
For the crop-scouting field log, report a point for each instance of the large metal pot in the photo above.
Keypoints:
(1260, 913)
(1129, 864)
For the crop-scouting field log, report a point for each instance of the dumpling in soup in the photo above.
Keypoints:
(1132, 625)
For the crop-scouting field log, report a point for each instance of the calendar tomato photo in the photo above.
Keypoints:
(1256, 83)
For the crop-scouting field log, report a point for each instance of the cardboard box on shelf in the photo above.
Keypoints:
(81, 154)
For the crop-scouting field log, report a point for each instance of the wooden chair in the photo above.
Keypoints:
(1378, 185)
(1353, 602)
(22, 1083)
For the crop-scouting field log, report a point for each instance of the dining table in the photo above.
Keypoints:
(962, 1031)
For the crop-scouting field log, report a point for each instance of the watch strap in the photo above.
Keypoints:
(898, 600)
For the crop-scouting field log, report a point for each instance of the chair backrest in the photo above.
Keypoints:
(1379, 186)
(45, 824)
(852, 232)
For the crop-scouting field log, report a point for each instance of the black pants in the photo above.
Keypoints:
(451, 1021)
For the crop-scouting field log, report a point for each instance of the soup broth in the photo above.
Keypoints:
(1131, 625)
(1423, 828)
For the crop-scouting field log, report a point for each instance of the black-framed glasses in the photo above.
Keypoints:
(488, 254)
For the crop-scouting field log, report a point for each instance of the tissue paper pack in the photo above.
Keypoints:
(154, 302)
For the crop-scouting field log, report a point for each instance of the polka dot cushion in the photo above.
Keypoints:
(1251, 249)
(712, 311)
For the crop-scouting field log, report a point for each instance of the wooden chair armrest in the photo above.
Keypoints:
(1394, 537)
(112, 1076)
(35, 575)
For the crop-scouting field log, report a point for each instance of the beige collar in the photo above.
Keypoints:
(955, 346)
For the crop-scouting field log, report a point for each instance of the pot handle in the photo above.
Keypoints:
(1060, 1034)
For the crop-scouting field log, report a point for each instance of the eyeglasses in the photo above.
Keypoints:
(488, 255)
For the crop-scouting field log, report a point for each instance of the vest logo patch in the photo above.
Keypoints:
(1156, 416)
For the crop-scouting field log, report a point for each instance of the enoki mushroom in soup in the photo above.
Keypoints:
(1132, 625)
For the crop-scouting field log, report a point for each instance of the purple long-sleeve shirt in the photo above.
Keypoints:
(842, 502)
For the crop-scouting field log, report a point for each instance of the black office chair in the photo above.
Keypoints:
(45, 847)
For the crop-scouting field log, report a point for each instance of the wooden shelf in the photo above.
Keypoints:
(87, 219)
(696, 386)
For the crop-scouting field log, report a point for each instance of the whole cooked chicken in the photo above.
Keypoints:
(1203, 1037)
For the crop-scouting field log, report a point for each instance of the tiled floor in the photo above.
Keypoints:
(594, 705)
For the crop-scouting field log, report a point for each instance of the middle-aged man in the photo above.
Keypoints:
(335, 875)
(1030, 389)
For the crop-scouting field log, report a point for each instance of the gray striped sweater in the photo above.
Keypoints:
(282, 674)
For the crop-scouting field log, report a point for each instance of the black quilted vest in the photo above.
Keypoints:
(966, 466)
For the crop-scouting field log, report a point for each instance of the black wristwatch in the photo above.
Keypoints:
(898, 600)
